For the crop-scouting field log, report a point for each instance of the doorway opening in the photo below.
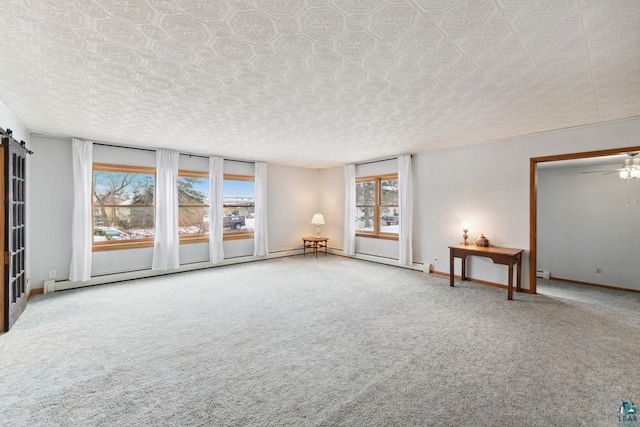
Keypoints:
(533, 198)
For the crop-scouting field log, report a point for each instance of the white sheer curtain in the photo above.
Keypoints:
(260, 235)
(405, 205)
(216, 177)
(349, 240)
(166, 242)
(81, 226)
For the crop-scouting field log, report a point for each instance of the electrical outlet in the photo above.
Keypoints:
(435, 260)
(598, 270)
(52, 274)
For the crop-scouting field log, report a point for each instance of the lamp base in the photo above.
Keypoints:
(465, 236)
(318, 231)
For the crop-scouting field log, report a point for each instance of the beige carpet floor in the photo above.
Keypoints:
(623, 300)
(316, 342)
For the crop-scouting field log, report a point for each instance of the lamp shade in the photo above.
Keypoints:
(465, 225)
(317, 219)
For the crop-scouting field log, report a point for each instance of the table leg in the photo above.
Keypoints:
(464, 268)
(304, 248)
(510, 287)
(519, 275)
(451, 269)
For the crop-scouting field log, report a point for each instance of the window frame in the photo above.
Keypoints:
(194, 238)
(120, 244)
(242, 234)
(108, 245)
(377, 207)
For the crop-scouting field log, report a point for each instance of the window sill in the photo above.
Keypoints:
(148, 243)
(122, 244)
(202, 238)
(238, 236)
(379, 236)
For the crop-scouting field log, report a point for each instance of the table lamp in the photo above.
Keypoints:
(317, 220)
(465, 229)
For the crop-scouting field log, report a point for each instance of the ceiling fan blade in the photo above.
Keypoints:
(606, 170)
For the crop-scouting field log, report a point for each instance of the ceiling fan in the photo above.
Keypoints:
(630, 168)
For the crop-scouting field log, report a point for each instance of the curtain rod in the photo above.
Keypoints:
(376, 161)
(122, 146)
(379, 160)
(152, 150)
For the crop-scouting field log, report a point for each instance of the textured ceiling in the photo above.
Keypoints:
(319, 82)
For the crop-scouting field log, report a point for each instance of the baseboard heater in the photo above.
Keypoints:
(53, 286)
(381, 260)
(63, 285)
(542, 274)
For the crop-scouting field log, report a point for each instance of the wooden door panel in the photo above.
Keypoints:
(4, 323)
(14, 237)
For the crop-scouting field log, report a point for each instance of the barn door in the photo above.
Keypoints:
(4, 293)
(14, 240)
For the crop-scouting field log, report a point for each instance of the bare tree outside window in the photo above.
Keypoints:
(123, 205)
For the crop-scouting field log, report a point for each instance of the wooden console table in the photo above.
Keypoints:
(314, 243)
(504, 256)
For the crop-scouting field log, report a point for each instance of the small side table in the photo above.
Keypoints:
(314, 243)
(504, 256)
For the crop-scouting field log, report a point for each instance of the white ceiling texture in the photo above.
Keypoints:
(316, 83)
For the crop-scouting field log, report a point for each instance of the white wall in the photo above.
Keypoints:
(586, 223)
(292, 200)
(51, 204)
(488, 184)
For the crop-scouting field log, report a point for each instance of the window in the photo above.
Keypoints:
(193, 210)
(123, 206)
(238, 201)
(377, 206)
